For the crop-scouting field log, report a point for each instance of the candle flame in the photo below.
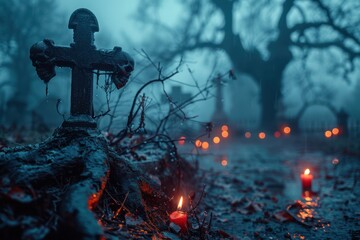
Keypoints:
(180, 203)
(307, 171)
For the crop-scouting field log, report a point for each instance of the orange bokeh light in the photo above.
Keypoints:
(216, 140)
(224, 162)
(205, 145)
(328, 134)
(225, 134)
(307, 171)
(287, 130)
(335, 131)
(248, 134)
(262, 135)
(277, 134)
(198, 143)
(181, 140)
(224, 128)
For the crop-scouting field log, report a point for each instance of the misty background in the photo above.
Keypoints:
(288, 57)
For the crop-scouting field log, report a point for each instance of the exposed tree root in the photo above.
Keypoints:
(57, 184)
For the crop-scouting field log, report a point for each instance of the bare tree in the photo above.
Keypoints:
(262, 37)
(22, 24)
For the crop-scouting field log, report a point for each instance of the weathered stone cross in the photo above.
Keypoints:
(83, 58)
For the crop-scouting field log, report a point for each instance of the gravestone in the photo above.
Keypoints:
(342, 118)
(219, 116)
(84, 59)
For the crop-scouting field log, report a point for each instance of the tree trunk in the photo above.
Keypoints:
(269, 102)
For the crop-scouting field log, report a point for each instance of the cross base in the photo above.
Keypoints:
(82, 121)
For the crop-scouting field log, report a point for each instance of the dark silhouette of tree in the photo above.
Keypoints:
(262, 37)
(22, 24)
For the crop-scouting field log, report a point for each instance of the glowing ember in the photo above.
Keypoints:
(198, 143)
(224, 162)
(180, 203)
(335, 161)
(287, 130)
(328, 134)
(224, 134)
(277, 134)
(182, 140)
(335, 131)
(248, 134)
(216, 140)
(307, 171)
(262, 135)
(224, 128)
(205, 145)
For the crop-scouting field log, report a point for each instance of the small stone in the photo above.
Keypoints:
(287, 235)
(169, 235)
(175, 228)
(195, 226)
(132, 221)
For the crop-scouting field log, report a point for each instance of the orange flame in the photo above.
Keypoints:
(328, 134)
(224, 134)
(216, 140)
(248, 134)
(180, 203)
(262, 135)
(335, 131)
(224, 128)
(205, 145)
(287, 130)
(307, 171)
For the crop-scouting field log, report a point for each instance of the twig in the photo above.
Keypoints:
(197, 204)
(121, 207)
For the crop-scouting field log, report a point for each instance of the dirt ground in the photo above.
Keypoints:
(253, 189)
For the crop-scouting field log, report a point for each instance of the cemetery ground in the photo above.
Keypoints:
(239, 189)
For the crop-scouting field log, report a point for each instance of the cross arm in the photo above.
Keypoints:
(116, 61)
(45, 56)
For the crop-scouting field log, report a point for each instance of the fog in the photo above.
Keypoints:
(156, 27)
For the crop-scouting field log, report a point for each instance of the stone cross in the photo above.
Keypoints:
(83, 58)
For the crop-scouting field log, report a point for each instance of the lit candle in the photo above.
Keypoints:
(306, 180)
(179, 217)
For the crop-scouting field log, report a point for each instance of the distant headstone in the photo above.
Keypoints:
(219, 116)
(177, 95)
(342, 121)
